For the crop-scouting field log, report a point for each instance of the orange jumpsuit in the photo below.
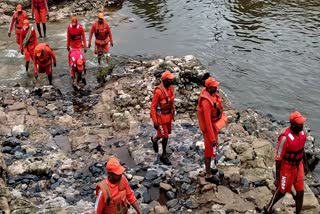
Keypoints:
(32, 43)
(162, 109)
(43, 63)
(125, 192)
(17, 20)
(290, 151)
(210, 110)
(76, 38)
(103, 36)
(74, 55)
(40, 10)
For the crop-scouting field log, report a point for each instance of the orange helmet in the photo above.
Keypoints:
(26, 23)
(38, 51)
(80, 64)
(74, 20)
(101, 16)
(19, 7)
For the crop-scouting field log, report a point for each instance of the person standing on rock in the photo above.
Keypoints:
(103, 35)
(43, 57)
(211, 119)
(17, 20)
(77, 63)
(39, 9)
(114, 193)
(289, 162)
(162, 114)
(76, 38)
(28, 41)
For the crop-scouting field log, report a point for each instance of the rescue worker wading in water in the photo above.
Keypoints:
(103, 35)
(76, 38)
(17, 20)
(43, 58)
(77, 64)
(39, 9)
(211, 119)
(28, 41)
(289, 162)
(114, 193)
(162, 114)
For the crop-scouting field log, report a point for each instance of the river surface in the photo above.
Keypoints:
(266, 53)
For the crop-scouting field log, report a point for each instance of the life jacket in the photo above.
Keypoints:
(75, 32)
(39, 4)
(101, 33)
(218, 118)
(117, 204)
(165, 106)
(295, 147)
(19, 18)
(45, 59)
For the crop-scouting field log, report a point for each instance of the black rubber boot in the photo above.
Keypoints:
(27, 65)
(39, 30)
(44, 29)
(155, 145)
(50, 79)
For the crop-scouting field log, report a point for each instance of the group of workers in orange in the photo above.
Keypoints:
(114, 192)
(42, 54)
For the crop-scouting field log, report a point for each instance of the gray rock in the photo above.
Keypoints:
(18, 155)
(146, 197)
(172, 203)
(63, 143)
(171, 195)
(151, 174)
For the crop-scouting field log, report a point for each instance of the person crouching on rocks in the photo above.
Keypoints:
(77, 63)
(211, 119)
(289, 162)
(162, 113)
(114, 193)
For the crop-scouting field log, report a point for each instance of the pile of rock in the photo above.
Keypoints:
(55, 146)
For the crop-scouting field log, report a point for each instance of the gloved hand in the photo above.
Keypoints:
(85, 50)
(21, 52)
(156, 126)
(89, 46)
(68, 48)
(111, 44)
(55, 64)
(214, 143)
(9, 34)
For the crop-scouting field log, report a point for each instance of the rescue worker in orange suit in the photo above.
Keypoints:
(114, 193)
(43, 58)
(211, 119)
(77, 64)
(289, 162)
(40, 10)
(103, 35)
(17, 20)
(28, 41)
(162, 114)
(76, 38)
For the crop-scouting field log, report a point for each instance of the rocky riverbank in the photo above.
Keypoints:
(54, 147)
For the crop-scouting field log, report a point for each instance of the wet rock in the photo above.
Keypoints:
(18, 155)
(151, 174)
(171, 195)
(58, 130)
(133, 184)
(146, 197)
(188, 204)
(12, 142)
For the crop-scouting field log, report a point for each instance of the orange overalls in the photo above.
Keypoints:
(18, 19)
(29, 46)
(103, 36)
(40, 10)
(290, 152)
(113, 198)
(211, 119)
(162, 109)
(76, 37)
(43, 63)
(74, 55)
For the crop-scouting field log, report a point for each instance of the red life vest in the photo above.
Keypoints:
(166, 102)
(101, 33)
(218, 118)
(19, 18)
(39, 4)
(117, 204)
(75, 54)
(75, 32)
(295, 147)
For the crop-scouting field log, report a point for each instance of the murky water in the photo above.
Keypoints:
(266, 53)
